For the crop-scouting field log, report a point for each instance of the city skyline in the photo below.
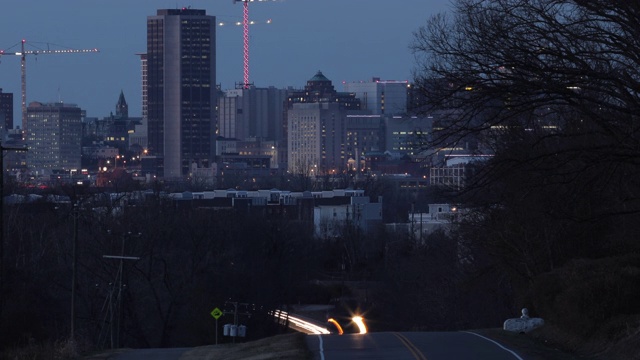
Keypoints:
(346, 40)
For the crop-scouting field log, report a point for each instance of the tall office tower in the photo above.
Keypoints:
(316, 127)
(252, 113)
(181, 89)
(255, 114)
(408, 135)
(143, 68)
(6, 110)
(381, 97)
(365, 135)
(317, 138)
(53, 137)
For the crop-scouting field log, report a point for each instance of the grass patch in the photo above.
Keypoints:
(284, 347)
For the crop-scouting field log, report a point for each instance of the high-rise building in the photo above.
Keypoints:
(381, 97)
(6, 110)
(181, 89)
(143, 68)
(53, 137)
(317, 138)
(316, 127)
(408, 135)
(365, 135)
(252, 113)
(255, 115)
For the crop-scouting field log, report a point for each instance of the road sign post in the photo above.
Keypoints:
(216, 313)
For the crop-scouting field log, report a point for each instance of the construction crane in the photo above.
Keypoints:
(23, 68)
(245, 32)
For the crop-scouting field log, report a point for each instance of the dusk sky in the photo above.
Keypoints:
(348, 40)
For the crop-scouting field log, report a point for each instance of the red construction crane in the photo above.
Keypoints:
(245, 31)
(23, 66)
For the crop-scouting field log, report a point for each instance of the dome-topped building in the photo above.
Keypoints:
(320, 89)
(316, 127)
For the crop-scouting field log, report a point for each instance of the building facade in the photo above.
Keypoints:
(316, 127)
(255, 115)
(408, 135)
(53, 137)
(317, 138)
(181, 90)
(365, 135)
(252, 113)
(381, 97)
(6, 110)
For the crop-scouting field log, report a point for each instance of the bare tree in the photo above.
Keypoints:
(548, 86)
(539, 71)
(304, 173)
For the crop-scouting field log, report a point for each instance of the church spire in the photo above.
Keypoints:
(122, 109)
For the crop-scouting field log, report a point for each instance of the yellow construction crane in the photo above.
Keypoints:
(23, 66)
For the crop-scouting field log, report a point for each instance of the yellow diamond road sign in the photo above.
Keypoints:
(216, 313)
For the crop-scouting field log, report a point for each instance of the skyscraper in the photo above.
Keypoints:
(252, 113)
(53, 137)
(181, 89)
(381, 97)
(6, 110)
(316, 127)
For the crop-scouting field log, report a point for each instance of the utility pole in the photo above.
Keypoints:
(119, 285)
(74, 269)
(2, 229)
(235, 314)
(75, 213)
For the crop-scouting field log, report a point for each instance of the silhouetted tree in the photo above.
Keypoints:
(547, 86)
(550, 89)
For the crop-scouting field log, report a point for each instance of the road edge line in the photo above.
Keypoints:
(497, 343)
(321, 347)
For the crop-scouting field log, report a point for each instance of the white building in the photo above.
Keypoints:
(316, 138)
(331, 219)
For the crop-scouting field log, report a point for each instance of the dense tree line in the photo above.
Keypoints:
(550, 88)
(179, 264)
(181, 261)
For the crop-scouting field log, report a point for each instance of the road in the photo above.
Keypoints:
(153, 354)
(408, 346)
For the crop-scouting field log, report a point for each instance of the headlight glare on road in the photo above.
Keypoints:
(360, 322)
(337, 325)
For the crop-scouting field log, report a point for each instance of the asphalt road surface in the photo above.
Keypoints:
(153, 354)
(408, 346)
